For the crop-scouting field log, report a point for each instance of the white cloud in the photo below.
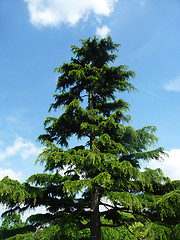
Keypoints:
(10, 173)
(173, 85)
(20, 146)
(103, 31)
(55, 12)
(170, 166)
(38, 210)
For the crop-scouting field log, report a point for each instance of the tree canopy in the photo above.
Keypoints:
(97, 188)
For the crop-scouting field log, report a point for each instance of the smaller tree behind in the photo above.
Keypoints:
(12, 221)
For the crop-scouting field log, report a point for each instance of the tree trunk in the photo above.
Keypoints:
(95, 224)
(90, 100)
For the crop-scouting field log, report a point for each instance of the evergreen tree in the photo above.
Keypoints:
(97, 185)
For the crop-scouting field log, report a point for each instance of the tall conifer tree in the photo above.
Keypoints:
(99, 183)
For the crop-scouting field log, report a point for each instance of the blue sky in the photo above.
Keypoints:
(36, 36)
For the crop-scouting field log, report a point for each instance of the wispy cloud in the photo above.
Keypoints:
(20, 147)
(173, 85)
(55, 12)
(157, 96)
(170, 166)
(103, 31)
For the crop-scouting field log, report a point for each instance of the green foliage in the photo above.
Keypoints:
(26, 232)
(12, 221)
(176, 232)
(169, 204)
(11, 192)
(120, 233)
(26, 236)
(13, 225)
(102, 173)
